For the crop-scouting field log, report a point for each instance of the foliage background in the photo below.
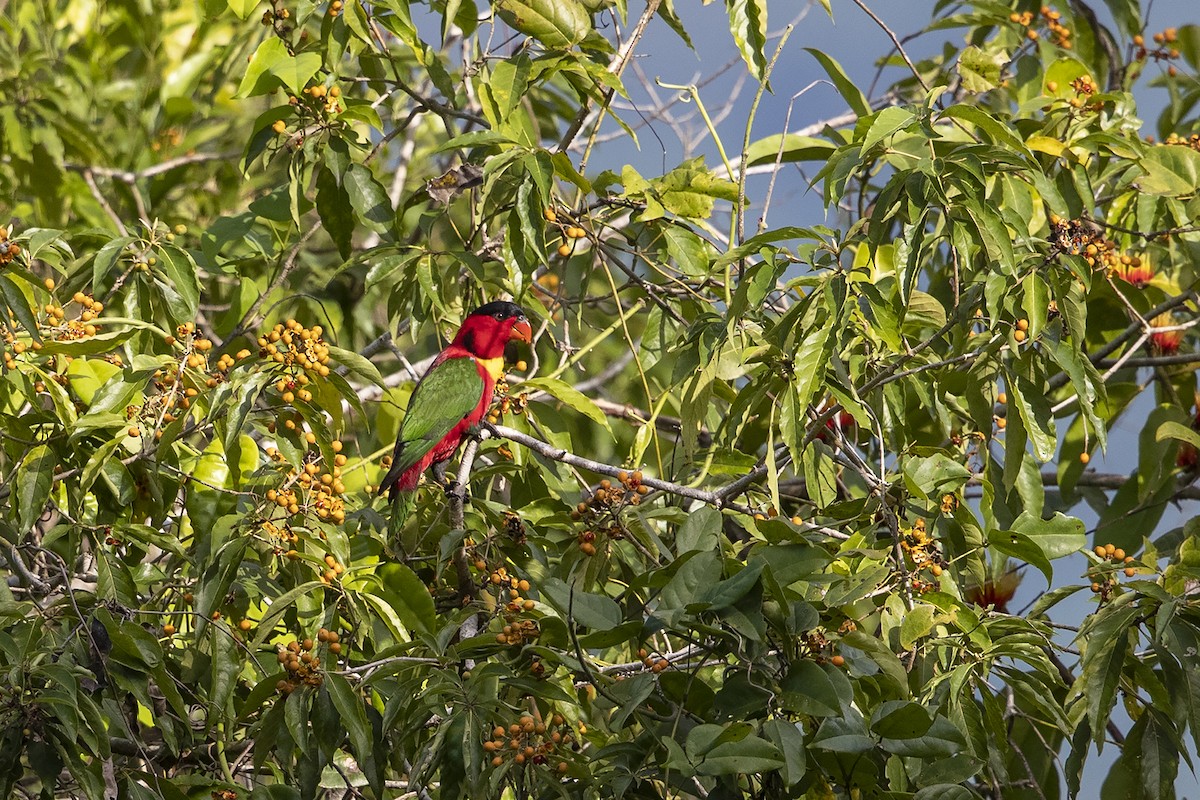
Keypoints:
(156, 560)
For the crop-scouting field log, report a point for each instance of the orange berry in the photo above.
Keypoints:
(837, 661)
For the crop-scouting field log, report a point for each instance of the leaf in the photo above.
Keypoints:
(369, 199)
(879, 652)
(748, 24)
(508, 82)
(558, 24)
(1173, 430)
(886, 122)
(795, 148)
(749, 755)
(358, 365)
(980, 70)
(1031, 402)
(1057, 537)
(184, 276)
(850, 93)
(1171, 170)
(409, 596)
(35, 477)
(590, 610)
(1022, 547)
(690, 190)
(272, 65)
(570, 396)
(335, 211)
(916, 624)
(243, 8)
(998, 132)
(350, 709)
(900, 719)
(1106, 643)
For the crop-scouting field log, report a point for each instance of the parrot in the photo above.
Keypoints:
(452, 397)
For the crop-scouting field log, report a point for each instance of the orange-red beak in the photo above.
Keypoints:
(521, 331)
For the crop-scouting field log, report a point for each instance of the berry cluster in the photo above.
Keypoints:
(816, 645)
(530, 740)
(1082, 239)
(1192, 141)
(301, 664)
(295, 350)
(923, 554)
(8, 251)
(1163, 49)
(601, 512)
(1060, 34)
(653, 661)
(316, 488)
(506, 403)
(518, 632)
(1104, 574)
(500, 578)
(570, 234)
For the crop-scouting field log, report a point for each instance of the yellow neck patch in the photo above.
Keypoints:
(494, 366)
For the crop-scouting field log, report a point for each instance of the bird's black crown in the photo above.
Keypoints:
(500, 309)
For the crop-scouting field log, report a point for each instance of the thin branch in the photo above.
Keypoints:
(130, 177)
(719, 498)
(895, 41)
(90, 180)
(615, 68)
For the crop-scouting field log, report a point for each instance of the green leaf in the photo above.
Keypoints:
(335, 211)
(1105, 641)
(749, 755)
(590, 610)
(272, 65)
(916, 625)
(1057, 537)
(886, 122)
(570, 396)
(881, 654)
(508, 82)
(1031, 402)
(350, 708)
(358, 366)
(35, 477)
(369, 199)
(980, 70)
(1022, 547)
(850, 93)
(184, 276)
(409, 596)
(1171, 170)
(994, 129)
(1174, 430)
(900, 719)
(794, 148)
(243, 8)
(558, 24)
(748, 23)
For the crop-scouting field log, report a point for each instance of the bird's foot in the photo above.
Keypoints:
(457, 490)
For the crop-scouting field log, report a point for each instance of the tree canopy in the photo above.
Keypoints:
(746, 519)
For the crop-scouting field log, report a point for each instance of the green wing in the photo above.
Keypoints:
(447, 393)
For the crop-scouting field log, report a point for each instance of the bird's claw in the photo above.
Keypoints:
(456, 490)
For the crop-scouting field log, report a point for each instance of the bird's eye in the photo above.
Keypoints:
(499, 315)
